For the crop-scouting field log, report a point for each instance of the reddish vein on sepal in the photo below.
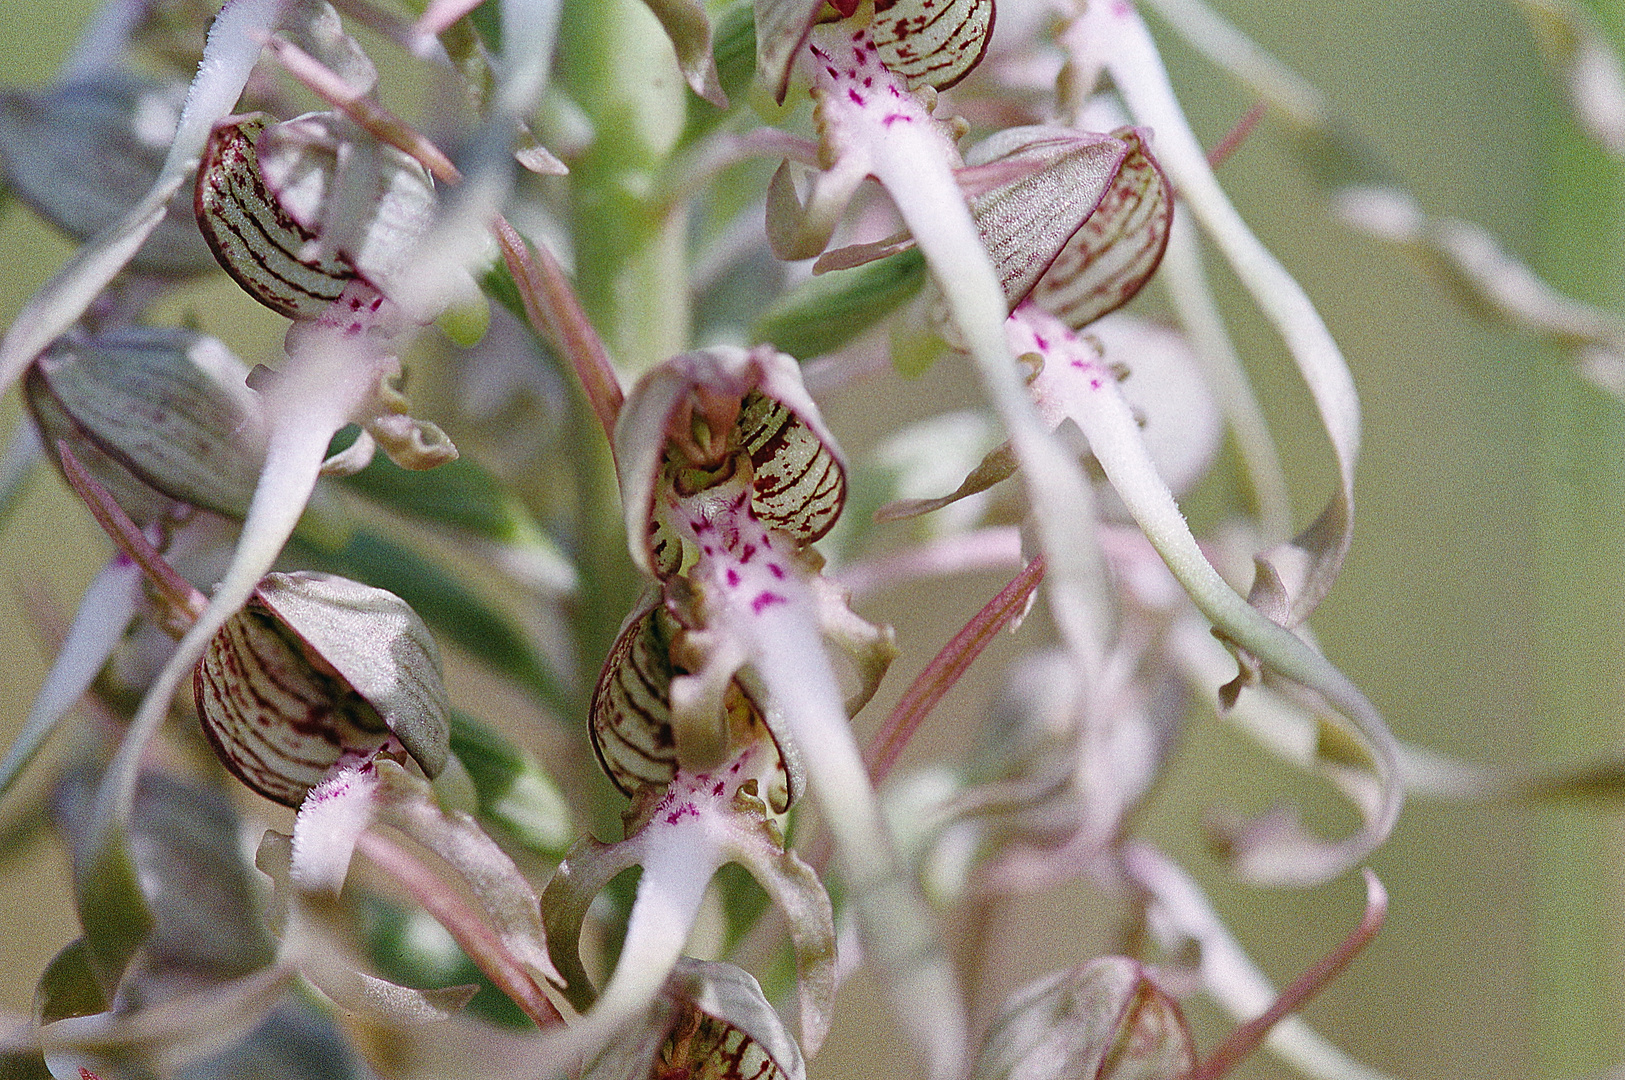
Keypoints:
(459, 918)
(552, 307)
(1247, 1037)
(184, 602)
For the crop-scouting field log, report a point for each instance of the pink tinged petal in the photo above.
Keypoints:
(630, 714)
(363, 200)
(313, 669)
(645, 718)
(277, 723)
(1078, 221)
(298, 210)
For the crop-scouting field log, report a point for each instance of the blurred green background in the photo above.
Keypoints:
(1479, 610)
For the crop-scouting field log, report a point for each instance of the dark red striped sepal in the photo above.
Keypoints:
(698, 419)
(270, 254)
(932, 43)
(631, 714)
(314, 667)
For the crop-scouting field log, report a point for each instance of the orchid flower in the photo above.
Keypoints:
(727, 475)
(681, 835)
(702, 208)
(874, 83)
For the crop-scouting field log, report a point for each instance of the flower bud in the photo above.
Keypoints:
(1105, 1019)
(82, 155)
(1078, 222)
(313, 668)
(295, 211)
(154, 410)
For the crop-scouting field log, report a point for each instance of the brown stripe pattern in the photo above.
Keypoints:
(932, 42)
(799, 486)
(253, 237)
(276, 721)
(705, 1047)
(1116, 250)
(631, 706)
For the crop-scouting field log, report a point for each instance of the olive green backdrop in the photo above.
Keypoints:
(1478, 608)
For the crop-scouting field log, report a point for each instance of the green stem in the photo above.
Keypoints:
(1580, 478)
(631, 262)
(631, 265)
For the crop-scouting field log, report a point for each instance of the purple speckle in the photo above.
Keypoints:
(765, 600)
(1041, 342)
(718, 788)
(733, 578)
(857, 98)
(776, 570)
(683, 811)
(747, 554)
(1095, 384)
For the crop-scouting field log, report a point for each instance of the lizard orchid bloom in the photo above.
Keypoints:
(727, 475)
(682, 834)
(753, 204)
